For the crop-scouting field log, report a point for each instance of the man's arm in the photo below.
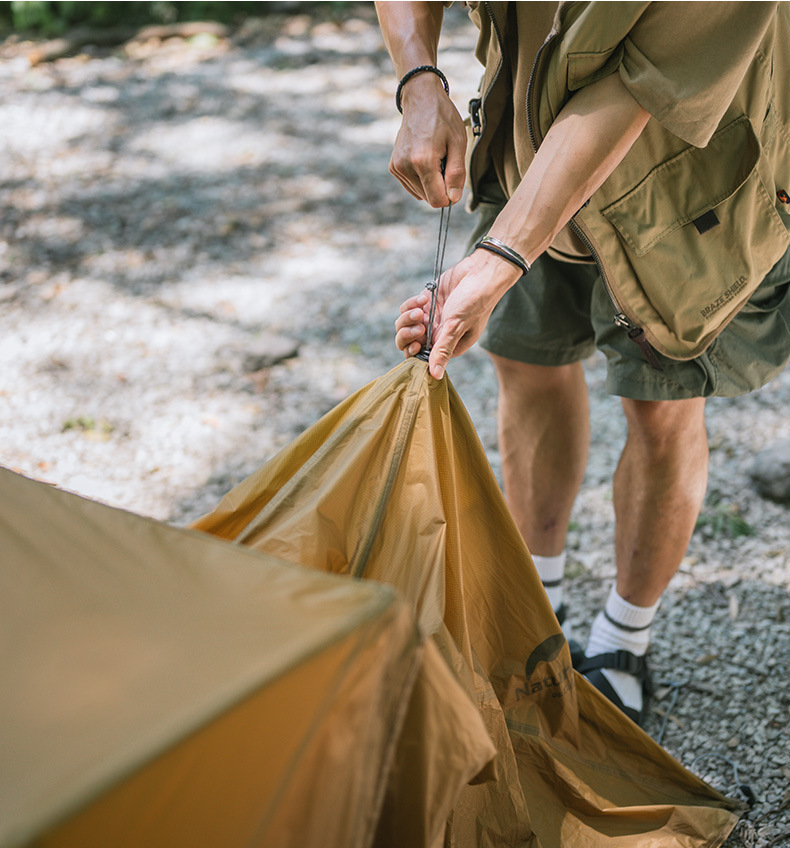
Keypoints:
(584, 145)
(411, 33)
(586, 142)
(432, 129)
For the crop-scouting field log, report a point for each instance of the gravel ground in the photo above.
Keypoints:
(179, 215)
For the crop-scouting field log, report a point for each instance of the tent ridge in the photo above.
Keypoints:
(404, 429)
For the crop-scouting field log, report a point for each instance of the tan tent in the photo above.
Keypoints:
(393, 485)
(163, 689)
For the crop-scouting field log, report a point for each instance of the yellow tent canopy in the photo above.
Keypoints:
(164, 689)
(393, 486)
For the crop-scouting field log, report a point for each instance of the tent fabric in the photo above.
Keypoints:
(393, 486)
(164, 688)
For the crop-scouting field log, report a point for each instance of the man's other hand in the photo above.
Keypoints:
(432, 130)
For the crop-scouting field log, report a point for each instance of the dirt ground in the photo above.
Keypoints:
(202, 251)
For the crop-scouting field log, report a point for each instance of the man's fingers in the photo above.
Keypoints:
(406, 183)
(410, 327)
(401, 169)
(412, 318)
(442, 352)
(405, 337)
(455, 173)
(437, 362)
(435, 191)
(410, 341)
(423, 173)
(417, 300)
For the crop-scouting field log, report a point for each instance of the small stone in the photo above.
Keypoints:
(770, 471)
(267, 350)
(733, 741)
(733, 605)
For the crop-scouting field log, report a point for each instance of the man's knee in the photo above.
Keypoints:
(664, 423)
(523, 377)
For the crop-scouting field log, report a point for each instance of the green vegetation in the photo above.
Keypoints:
(90, 426)
(720, 518)
(52, 19)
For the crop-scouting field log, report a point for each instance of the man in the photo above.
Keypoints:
(658, 132)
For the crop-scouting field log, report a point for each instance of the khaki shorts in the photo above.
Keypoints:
(560, 314)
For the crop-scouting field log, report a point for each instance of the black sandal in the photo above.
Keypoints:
(591, 668)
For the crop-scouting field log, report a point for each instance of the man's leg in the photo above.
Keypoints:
(538, 336)
(544, 434)
(659, 487)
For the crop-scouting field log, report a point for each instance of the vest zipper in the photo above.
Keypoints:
(533, 137)
(633, 331)
(477, 104)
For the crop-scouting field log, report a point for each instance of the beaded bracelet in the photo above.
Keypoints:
(494, 245)
(413, 73)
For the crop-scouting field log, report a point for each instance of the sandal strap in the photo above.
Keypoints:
(592, 668)
(605, 688)
(621, 660)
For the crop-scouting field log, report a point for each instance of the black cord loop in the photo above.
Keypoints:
(413, 73)
(438, 263)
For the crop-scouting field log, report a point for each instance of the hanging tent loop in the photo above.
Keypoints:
(433, 285)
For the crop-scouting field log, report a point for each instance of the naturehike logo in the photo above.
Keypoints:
(725, 298)
(545, 652)
(548, 650)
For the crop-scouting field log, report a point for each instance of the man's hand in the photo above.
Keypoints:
(467, 295)
(432, 130)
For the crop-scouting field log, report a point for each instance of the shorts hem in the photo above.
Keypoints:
(647, 390)
(537, 356)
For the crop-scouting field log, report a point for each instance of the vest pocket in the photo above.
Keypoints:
(700, 232)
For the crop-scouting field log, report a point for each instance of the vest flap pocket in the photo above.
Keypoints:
(688, 246)
(685, 187)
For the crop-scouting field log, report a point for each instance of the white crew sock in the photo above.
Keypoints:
(622, 626)
(551, 570)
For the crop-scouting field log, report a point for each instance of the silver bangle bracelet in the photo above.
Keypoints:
(494, 245)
